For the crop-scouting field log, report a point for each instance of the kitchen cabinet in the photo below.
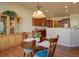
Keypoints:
(3, 42)
(11, 40)
(8, 25)
(49, 23)
(38, 21)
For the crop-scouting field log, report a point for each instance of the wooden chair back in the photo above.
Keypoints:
(24, 35)
(29, 44)
(53, 43)
(32, 45)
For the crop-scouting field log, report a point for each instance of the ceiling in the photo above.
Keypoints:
(54, 9)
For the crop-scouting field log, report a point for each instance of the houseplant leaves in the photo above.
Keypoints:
(10, 13)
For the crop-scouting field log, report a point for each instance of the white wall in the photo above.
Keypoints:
(74, 37)
(74, 18)
(23, 12)
(64, 35)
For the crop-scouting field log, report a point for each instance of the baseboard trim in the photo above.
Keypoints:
(67, 47)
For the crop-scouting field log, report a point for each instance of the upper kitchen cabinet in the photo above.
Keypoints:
(55, 23)
(49, 23)
(38, 21)
(42, 22)
(64, 22)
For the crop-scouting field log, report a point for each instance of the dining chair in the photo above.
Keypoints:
(29, 48)
(48, 52)
(53, 44)
(24, 35)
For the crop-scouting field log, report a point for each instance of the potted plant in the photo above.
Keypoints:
(37, 36)
(9, 13)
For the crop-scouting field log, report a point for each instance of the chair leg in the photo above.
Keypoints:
(24, 54)
(29, 54)
(32, 54)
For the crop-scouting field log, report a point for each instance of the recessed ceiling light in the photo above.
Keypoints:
(46, 11)
(66, 6)
(66, 11)
(74, 2)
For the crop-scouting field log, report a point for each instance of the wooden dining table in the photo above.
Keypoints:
(39, 45)
(46, 44)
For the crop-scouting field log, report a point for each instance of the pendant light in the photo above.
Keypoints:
(38, 13)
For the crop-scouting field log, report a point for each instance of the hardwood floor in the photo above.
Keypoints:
(66, 52)
(12, 52)
(60, 52)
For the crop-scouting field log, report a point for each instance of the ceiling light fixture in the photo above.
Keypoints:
(66, 11)
(66, 6)
(38, 13)
(46, 11)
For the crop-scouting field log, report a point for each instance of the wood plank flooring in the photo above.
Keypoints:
(66, 52)
(16, 51)
(60, 52)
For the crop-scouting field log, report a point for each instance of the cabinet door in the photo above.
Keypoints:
(49, 23)
(8, 25)
(11, 40)
(60, 23)
(15, 25)
(3, 25)
(66, 21)
(38, 22)
(3, 43)
(18, 38)
(12, 25)
(33, 22)
(56, 23)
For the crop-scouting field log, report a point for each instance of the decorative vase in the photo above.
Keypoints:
(37, 39)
